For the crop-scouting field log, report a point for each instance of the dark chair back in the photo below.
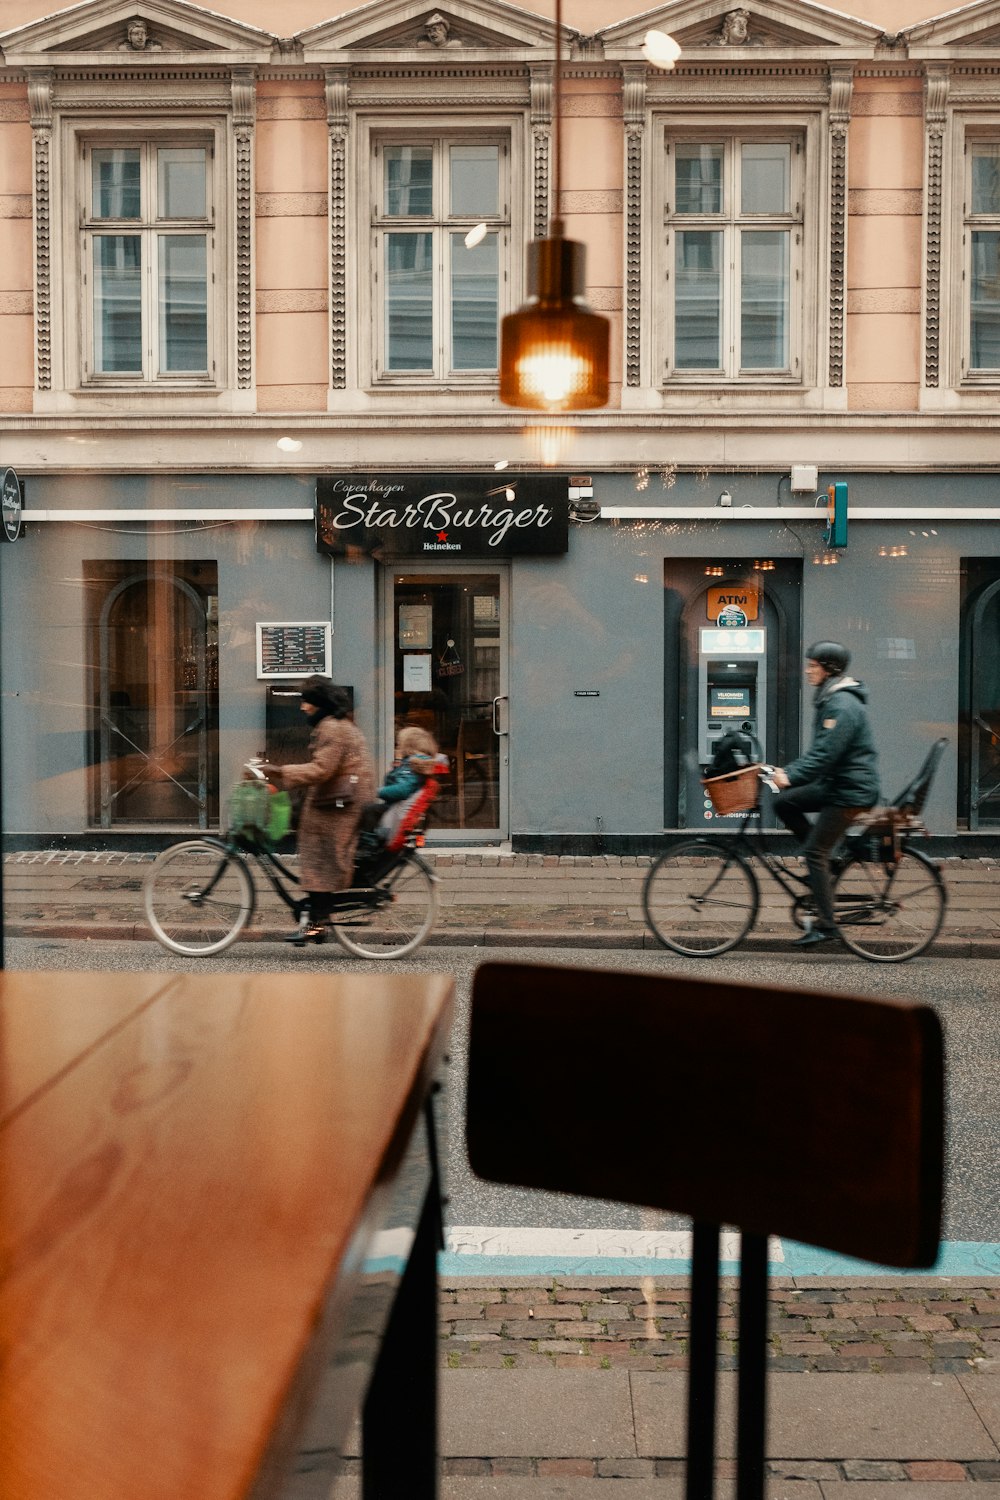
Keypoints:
(779, 1111)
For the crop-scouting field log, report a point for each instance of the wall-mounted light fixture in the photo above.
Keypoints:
(725, 498)
(554, 350)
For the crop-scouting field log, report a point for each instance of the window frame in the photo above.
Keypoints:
(375, 134)
(75, 331)
(970, 376)
(150, 228)
(732, 223)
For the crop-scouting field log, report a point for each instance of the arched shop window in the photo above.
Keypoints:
(979, 717)
(154, 664)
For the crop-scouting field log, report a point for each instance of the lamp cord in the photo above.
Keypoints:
(555, 219)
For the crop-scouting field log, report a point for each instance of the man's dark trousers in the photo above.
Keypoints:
(817, 839)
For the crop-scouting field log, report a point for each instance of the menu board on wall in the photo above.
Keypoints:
(293, 648)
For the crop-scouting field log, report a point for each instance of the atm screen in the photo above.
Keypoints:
(729, 702)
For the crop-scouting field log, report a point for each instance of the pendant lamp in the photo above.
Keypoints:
(554, 350)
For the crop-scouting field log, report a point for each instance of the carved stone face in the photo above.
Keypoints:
(736, 26)
(136, 33)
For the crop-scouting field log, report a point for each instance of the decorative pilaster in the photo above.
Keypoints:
(634, 109)
(40, 102)
(935, 118)
(337, 122)
(841, 84)
(541, 148)
(244, 97)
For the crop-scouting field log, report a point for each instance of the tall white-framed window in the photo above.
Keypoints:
(981, 259)
(148, 247)
(733, 229)
(441, 236)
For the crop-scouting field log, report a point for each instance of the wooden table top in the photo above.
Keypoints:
(191, 1168)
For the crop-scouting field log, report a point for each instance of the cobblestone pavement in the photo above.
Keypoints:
(570, 1325)
(930, 1329)
(487, 898)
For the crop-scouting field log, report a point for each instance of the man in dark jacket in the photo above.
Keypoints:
(837, 777)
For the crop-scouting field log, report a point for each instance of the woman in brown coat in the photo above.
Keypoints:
(339, 780)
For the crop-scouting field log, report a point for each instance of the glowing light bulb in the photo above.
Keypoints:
(289, 445)
(475, 237)
(660, 49)
(554, 373)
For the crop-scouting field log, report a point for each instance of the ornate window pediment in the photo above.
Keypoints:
(972, 28)
(142, 115)
(157, 32)
(709, 32)
(462, 30)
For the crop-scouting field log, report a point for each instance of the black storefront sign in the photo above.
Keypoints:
(442, 517)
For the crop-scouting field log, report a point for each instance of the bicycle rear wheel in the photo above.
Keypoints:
(888, 913)
(401, 912)
(198, 897)
(699, 899)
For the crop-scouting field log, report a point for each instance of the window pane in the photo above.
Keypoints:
(409, 180)
(116, 184)
(474, 304)
(986, 178)
(182, 179)
(183, 301)
(117, 304)
(766, 178)
(409, 301)
(984, 353)
(698, 300)
(764, 300)
(475, 181)
(698, 178)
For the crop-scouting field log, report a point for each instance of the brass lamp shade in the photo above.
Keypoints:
(554, 350)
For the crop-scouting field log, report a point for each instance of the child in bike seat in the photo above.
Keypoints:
(408, 788)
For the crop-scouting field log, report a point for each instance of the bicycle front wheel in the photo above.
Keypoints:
(401, 912)
(198, 897)
(888, 913)
(699, 899)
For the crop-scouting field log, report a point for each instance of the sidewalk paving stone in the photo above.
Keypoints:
(861, 1416)
(983, 1390)
(537, 1413)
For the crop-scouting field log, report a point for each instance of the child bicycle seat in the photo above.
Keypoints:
(414, 809)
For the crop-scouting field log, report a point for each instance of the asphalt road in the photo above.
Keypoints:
(963, 991)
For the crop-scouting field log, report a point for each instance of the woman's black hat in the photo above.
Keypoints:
(323, 692)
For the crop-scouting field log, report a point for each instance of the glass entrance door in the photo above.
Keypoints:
(449, 660)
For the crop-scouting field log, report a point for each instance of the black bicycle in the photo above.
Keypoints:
(701, 897)
(200, 894)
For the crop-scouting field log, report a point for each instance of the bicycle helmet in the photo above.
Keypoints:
(830, 656)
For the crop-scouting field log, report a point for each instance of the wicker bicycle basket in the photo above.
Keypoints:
(736, 792)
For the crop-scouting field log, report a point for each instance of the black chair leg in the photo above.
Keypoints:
(700, 1475)
(751, 1415)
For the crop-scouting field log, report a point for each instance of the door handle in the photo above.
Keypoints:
(501, 698)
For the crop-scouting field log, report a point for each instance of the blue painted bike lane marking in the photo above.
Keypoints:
(965, 1258)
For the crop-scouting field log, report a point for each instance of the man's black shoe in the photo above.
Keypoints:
(813, 936)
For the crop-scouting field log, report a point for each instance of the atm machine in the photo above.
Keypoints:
(732, 685)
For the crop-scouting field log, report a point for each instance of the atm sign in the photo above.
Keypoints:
(733, 596)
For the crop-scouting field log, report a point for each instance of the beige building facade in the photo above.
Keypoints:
(234, 274)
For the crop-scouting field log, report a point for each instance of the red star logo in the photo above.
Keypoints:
(442, 536)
